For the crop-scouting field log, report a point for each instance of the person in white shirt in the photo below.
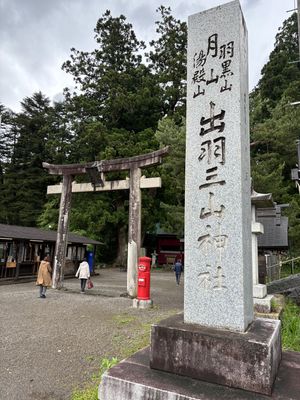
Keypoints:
(83, 273)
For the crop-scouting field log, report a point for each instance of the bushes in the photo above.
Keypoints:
(290, 331)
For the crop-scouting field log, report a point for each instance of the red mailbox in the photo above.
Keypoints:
(143, 292)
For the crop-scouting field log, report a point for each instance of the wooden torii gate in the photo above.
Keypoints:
(96, 171)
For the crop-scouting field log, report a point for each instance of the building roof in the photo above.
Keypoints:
(261, 200)
(36, 234)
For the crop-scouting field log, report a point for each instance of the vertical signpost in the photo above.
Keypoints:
(218, 188)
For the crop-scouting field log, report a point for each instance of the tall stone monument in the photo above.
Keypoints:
(218, 281)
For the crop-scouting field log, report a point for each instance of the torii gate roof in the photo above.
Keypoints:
(119, 164)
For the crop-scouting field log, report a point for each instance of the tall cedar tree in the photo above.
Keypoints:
(113, 113)
(24, 187)
(114, 87)
(168, 60)
(278, 73)
(117, 104)
(172, 171)
(7, 140)
(275, 125)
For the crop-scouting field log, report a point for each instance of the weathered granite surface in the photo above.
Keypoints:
(263, 305)
(218, 272)
(259, 291)
(132, 379)
(247, 360)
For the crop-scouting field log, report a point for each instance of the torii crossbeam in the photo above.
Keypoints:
(96, 170)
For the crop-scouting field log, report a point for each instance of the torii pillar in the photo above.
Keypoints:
(134, 230)
(62, 232)
(96, 172)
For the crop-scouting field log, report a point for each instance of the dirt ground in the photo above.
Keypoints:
(48, 347)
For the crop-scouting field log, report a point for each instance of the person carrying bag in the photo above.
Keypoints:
(83, 273)
(90, 284)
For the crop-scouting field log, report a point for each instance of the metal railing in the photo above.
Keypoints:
(274, 271)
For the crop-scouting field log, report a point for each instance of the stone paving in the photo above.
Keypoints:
(48, 347)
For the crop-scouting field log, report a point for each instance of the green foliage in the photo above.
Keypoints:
(275, 126)
(172, 174)
(289, 269)
(113, 114)
(91, 392)
(168, 60)
(279, 71)
(293, 213)
(115, 87)
(7, 136)
(123, 319)
(290, 330)
(275, 306)
(25, 182)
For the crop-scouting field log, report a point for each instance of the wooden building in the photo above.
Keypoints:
(169, 247)
(273, 243)
(22, 249)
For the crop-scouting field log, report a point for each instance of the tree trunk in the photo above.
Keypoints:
(122, 246)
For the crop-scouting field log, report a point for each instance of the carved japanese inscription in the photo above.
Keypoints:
(217, 207)
(212, 65)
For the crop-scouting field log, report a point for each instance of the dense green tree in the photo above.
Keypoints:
(4, 146)
(275, 124)
(279, 72)
(61, 139)
(171, 217)
(113, 86)
(168, 61)
(6, 138)
(112, 114)
(25, 182)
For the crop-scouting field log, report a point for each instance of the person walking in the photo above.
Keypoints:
(83, 273)
(44, 276)
(178, 269)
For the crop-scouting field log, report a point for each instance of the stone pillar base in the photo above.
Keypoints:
(259, 291)
(263, 305)
(133, 379)
(246, 360)
(142, 303)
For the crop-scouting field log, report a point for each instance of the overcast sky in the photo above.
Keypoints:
(36, 36)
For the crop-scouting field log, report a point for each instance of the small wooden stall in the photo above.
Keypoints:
(168, 247)
(22, 249)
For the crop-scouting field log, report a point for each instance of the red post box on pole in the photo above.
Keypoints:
(143, 292)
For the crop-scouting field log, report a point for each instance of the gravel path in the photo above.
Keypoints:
(50, 346)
